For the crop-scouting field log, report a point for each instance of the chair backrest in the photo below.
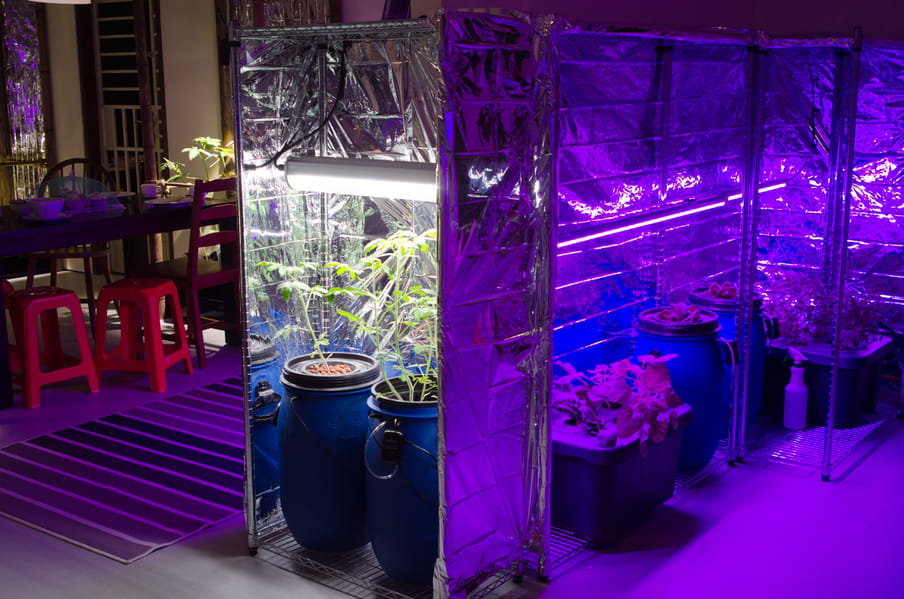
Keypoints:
(217, 213)
(76, 174)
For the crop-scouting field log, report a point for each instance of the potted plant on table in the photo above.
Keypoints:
(616, 440)
(805, 309)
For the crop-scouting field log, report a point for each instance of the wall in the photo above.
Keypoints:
(191, 75)
(880, 19)
(64, 81)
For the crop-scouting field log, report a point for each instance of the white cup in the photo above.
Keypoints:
(150, 190)
(45, 208)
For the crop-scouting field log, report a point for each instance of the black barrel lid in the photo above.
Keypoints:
(648, 322)
(702, 297)
(365, 372)
(262, 350)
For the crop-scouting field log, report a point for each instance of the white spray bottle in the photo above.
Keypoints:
(795, 417)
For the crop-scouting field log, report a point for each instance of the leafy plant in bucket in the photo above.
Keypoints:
(296, 282)
(805, 309)
(393, 305)
(616, 401)
(679, 312)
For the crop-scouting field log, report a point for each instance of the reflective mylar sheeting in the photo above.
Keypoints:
(876, 235)
(645, 123)
(494, 295)
(344, 90)
(797, 138)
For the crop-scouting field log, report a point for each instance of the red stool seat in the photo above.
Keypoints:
(28, 308)
(141, 347)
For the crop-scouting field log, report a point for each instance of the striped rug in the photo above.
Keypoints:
(131, 483)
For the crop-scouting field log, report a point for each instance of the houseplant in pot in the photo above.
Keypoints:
(805, 308)
(616, 438)
(394, 308)
(322, 421)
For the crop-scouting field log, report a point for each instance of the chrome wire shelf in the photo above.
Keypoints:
(355, 573)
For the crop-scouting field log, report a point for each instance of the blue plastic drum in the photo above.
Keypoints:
(322, 428)
(726, 310)
(697, 374)
(403, 486)
(265, 393)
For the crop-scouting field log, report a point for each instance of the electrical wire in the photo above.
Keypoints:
(296, 139)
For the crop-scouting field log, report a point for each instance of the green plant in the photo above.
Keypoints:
(616, 401)
(726, 290)
(805, 308)
(173, 170)
(294, 283)
(211, 151)
(393, 305)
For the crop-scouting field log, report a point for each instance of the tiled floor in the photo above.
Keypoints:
(755, 530)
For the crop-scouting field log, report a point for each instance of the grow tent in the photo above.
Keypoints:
(374, 91)
(603, 170)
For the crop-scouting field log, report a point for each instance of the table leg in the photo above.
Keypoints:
(6, 379)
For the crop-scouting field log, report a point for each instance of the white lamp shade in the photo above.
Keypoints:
(365, 177)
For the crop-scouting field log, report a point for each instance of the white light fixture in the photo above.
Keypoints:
(62, 1)
(364, 177)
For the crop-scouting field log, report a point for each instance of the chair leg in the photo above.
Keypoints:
(89, 291)
(108, 273)
(195, 324)
(32, 268)
(53, 272)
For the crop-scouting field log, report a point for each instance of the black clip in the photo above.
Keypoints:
(391, 449)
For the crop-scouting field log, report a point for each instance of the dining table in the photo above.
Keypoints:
(126, 217)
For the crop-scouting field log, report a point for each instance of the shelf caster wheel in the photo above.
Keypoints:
(252, 551)
(544, 578)
(731, 463)
(826, 478)
(518, 578)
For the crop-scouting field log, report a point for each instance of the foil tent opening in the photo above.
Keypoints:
(547, 133)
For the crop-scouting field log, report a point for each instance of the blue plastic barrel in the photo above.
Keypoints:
(403, 486)
(697, 373)
(322, 427)
(265, 394)
(726, 310)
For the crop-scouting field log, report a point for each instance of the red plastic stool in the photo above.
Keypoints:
(141, 346)
(28, 307)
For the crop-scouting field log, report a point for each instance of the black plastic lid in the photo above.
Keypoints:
(365, 372)
(385, 397)
(262, 350)
(702, 297)
(648, 322)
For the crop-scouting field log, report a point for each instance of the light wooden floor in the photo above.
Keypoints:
(752, 531)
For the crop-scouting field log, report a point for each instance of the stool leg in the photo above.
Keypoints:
(81, 336)
(31, 362)
(153, 340)
(50, 333)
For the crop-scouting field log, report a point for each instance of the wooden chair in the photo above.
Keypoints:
(85, 177)
(194, 272)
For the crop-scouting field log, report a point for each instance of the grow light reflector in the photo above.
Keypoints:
(365, 177)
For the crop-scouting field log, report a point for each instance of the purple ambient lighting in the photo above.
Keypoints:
(664, 218)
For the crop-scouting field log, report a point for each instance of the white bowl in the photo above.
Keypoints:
(45, 208)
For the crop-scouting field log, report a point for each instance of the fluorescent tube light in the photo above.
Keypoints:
(363, 177)
(62, 1)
